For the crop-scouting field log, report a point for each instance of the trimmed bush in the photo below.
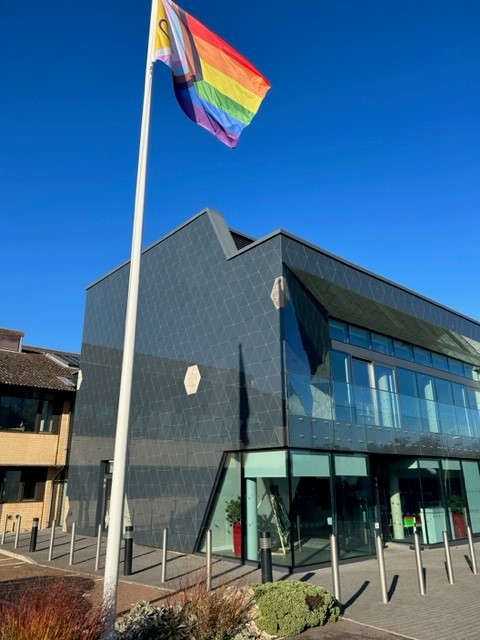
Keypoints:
(289, 607)
(146, 621)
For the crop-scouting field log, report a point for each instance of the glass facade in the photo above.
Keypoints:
(431, 495)
(300, 497)
(382, 396)
(350, 334)
(386, 405)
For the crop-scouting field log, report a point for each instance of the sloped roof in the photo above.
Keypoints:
(36, 367)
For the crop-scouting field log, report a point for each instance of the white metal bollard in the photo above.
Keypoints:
(52, 542)
(164, 555)
(72, 543)
(209, 560)
(18, 518)
(99, 547)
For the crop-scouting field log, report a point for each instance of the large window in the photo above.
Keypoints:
(296, 497)
(429, 495)
(17, 413)
(371, 393)
(226, 515)
(28, 410)
(344, 332)
(22, 484)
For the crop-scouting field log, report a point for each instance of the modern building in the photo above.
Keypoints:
(37, 395)
(278, 387)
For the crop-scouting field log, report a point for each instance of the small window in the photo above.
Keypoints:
(443, 390)
(422, 356)
(456, 367)
(459, 394)
(440, 362)
(23, 484)
(360, 337)
(470, 371)
(340, 366)
(11, 485)
(403, 350)
(46, 420)
(382, 344)
(407, 382)
(338, 330)
(18, 413)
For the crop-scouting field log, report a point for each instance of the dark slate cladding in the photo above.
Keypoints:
(196, 307)
(312, 260)
(241, 241)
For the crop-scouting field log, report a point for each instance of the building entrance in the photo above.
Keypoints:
(427, 495)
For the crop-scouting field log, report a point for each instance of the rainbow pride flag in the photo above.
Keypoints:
(215, 85)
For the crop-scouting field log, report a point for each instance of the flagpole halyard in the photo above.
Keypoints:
(121, 437)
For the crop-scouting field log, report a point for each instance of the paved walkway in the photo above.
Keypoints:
(446, 612)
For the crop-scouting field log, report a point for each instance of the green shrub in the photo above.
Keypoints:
(145, 621)
(289, 607)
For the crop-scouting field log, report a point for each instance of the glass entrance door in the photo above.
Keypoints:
(311, 507)
(354, 507)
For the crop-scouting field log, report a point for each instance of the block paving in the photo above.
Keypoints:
(446, 612)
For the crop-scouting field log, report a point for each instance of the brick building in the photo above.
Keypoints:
(37, 394)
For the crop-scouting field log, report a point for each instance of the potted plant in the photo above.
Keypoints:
(456, 504)
(233, 515)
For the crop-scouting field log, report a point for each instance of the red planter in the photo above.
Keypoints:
(459, 525)
(237, 539)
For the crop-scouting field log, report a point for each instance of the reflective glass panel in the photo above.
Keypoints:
(386, 398)
(340, 366)
(363, 394)
(431, 507)
(428, 407)
(422, 356)
(445, 408)
(360, 337)
(456, 367)
(403, 350)
(440, 362)
(470, 371)
(382, 344)
(410, 415)
(456, 500)
(225, 519)
(338, 330)
(311, 507)
(267, 504)
(471, 476)
(354, 505)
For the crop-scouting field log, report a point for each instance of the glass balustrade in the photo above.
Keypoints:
(314, 397)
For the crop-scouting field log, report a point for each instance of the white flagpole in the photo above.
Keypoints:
(121, 437)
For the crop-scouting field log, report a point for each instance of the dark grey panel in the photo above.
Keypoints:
(196, 307)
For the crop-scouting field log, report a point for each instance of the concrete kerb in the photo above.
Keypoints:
(16, 556)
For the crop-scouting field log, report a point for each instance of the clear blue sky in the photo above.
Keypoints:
(368, 144)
